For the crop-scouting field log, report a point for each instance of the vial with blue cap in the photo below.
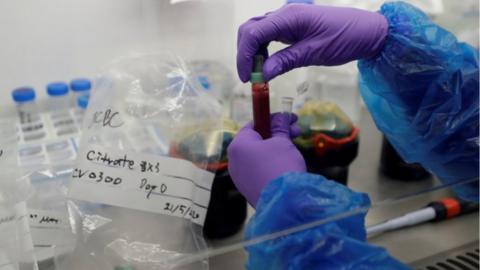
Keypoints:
(27, 109)
(58, 102)
(80, 87)
(82, 103)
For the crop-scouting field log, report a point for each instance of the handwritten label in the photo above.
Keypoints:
(107, 118)
(46, 218)
(11, 215)
(14, 226)
(8, 218)
(144, 182)
(48, 227)
(184, 210)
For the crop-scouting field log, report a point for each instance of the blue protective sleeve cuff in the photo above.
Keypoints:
(422, 91)
(297, 199)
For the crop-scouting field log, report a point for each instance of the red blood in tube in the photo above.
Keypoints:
(261, 109)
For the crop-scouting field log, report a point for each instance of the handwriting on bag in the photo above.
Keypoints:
(107, 118)
(146, 182)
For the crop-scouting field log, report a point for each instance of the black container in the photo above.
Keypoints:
(227, 209)
(393, 166)
(333, 164)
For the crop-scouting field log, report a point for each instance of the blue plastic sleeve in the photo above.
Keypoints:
(337, 241)
(422, 91)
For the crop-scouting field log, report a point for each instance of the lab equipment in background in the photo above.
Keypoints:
(287, 106)
(82, 103)
(227, 209)
(48, 141)
(59, 108)
(461, 18)
(31, 126)
(79, 87)
(337, 84)
(215, 78)
(328, 141)
(58, 101)
(48, 216)
(260, 99)
(286, 84)
(393, 166)
(16, 247)
(241, 105)
(58, 118)
(27, 109)
(44, 158)
(434, 212)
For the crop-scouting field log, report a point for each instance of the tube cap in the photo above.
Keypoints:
(82, 101)
(257, 75)
(80, 84)
(204, 82)
(57, 89)
(23, 94)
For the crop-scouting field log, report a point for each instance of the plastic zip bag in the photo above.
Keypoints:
(134, 206)
(48, 216)
(16, 247)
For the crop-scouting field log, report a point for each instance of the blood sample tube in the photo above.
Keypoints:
(287, 106)
(260, 99)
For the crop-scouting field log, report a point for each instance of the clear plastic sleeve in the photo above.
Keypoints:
(48, 216)
(16, 247)
(141, 184)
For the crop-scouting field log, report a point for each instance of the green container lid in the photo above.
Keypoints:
(257, 75)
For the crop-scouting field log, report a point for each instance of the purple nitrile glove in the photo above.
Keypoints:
(319, 35)
(254, 162)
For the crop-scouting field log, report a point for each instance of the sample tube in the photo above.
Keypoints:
(27, 109)
(287, 105)
(59, 102)
(260, 99)
(82, 103)
(79, 87)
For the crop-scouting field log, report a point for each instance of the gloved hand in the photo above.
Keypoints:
(320, 35)
(254, 162)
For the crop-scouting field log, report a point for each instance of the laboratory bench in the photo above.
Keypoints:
(419, 246)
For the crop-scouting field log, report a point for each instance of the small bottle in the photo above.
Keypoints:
(80, 87)
(58, 102)
(393, 166)
(82, 103)
(27, 109)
